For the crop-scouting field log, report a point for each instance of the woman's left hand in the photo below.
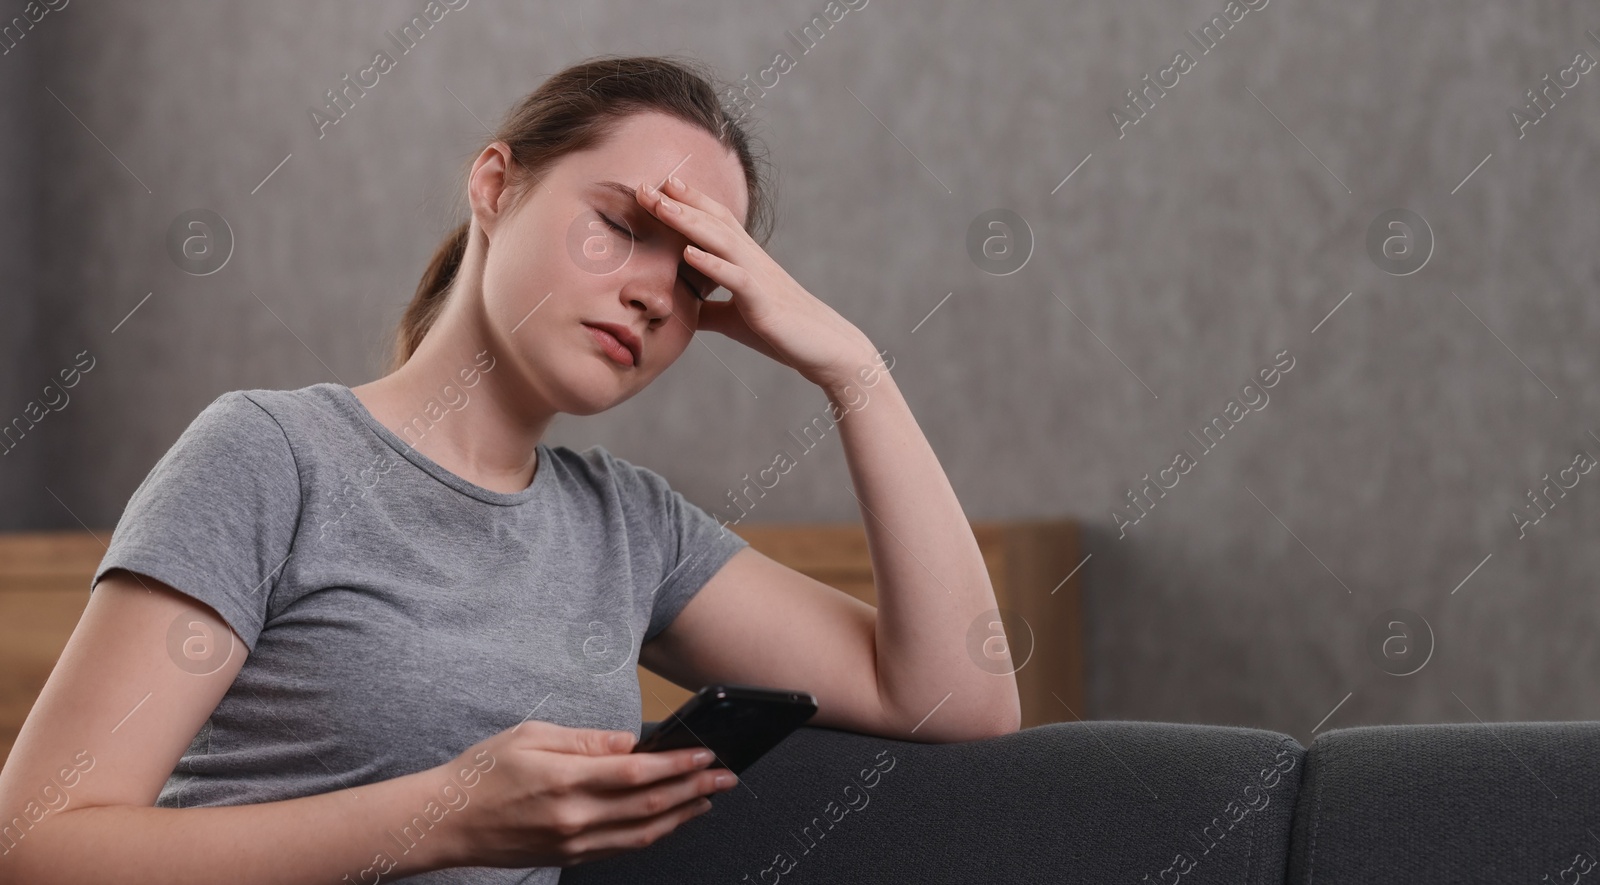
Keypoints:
(769, 311)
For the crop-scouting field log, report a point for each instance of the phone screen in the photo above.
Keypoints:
(738, 723)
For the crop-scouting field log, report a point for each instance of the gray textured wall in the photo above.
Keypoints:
(1177, 261)
(23, 483)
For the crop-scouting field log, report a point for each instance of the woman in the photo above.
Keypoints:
(319, 597)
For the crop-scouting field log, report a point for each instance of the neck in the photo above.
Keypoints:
(461, 403)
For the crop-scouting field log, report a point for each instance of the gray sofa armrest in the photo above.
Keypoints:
(1068, 802)
(1498, 802)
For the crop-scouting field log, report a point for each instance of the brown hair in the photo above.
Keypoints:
(576, 109)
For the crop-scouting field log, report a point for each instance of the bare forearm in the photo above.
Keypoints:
(355, 836)
(929, 573)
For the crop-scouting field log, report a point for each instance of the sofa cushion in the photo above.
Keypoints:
(1498, 802)
(1085, 802)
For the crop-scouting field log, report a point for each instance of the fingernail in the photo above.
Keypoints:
(724, 780)
(667, 204)
(651, 190)
(675, 182)
(702, 757)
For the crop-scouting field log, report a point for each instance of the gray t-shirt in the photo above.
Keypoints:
(396, 613)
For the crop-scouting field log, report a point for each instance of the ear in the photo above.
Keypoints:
(487, 187)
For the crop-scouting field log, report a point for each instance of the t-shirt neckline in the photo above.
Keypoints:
(353, 405)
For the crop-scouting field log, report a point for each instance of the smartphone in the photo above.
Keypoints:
(738, 723)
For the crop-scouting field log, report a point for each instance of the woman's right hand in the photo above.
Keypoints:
(550, 795)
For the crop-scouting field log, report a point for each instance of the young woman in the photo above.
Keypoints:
(344, 634)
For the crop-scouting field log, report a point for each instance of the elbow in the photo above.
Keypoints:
(1009, 722)
(1012, 725)
(981, 725)
(1009, 718)
(984, 729)
(984, 714)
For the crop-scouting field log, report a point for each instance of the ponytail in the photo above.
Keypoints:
(430, 297)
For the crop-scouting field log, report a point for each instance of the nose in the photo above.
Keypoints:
(656, 307)
(647, 292)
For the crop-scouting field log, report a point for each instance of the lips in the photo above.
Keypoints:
(619, 342)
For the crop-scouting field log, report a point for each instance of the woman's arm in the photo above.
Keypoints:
(332, 837)
(929, 574)
(77, 791)
(930, 577)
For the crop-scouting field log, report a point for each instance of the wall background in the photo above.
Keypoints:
(1175, 263)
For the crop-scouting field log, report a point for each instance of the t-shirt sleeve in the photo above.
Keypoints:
(694, 544)
(216, 517)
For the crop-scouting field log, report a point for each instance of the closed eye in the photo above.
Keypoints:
(622, 230)
(616, 227)
(697, 293)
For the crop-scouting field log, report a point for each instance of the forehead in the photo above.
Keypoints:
(647, 147)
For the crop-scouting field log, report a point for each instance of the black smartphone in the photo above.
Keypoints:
(738, 723)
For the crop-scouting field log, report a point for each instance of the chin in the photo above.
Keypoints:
(586, 397)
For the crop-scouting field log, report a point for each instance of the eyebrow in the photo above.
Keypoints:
(624, 189)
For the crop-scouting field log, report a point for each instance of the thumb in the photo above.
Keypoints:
(724, 318)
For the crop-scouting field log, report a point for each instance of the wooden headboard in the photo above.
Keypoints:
(44, 586)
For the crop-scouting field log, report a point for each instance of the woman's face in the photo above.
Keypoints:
(555, 263)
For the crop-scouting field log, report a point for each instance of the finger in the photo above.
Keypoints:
(723, 272)
(684, 192)
(721, 317)
(695, 223)
(603, 841)
(541, 735)
(606, 807)
(630, 771)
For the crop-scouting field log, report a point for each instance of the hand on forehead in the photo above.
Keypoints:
(647, 147)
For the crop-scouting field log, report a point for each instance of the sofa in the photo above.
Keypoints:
(1149, 802)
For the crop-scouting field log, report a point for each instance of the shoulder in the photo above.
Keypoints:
(234, 420)
(302, 422)
(230, 470)
(309, 406)
(258, 430)
(257, 406)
